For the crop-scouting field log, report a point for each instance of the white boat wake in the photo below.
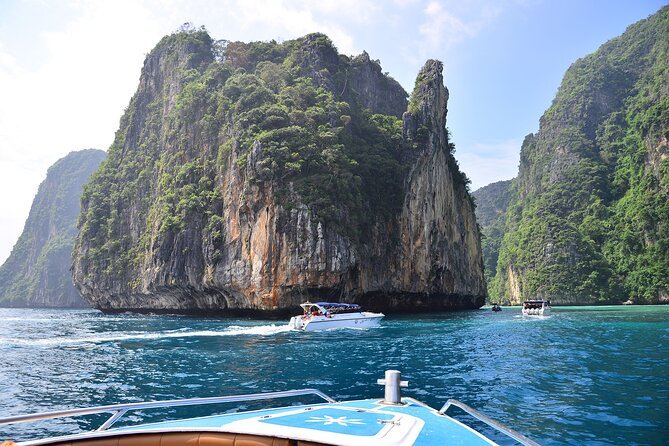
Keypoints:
(235, 330)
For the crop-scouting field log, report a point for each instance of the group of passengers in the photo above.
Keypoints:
(315, 311)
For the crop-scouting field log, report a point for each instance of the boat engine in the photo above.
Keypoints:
(295, 323)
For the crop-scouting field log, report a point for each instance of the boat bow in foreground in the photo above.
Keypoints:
(391, 421)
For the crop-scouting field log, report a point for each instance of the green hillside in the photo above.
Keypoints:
(37, 272)
(589, 220)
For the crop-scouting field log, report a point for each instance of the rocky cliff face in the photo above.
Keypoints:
(36, 274)
(274, 174)
(588, 219)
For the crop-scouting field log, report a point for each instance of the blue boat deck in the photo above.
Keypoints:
(355, 423)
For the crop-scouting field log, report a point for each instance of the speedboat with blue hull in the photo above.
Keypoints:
(327, 315)
(391, 421)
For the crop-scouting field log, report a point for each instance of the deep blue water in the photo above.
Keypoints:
(583, 376)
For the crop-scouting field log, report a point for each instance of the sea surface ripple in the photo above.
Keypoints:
(583, 376)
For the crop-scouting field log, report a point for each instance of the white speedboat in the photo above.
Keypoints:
(536, 307)
(326, 315)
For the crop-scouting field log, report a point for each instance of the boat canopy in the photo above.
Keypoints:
(536, 304)
(338, 305)
(331, 307)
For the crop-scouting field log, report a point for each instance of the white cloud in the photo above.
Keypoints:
(486, 163)
(447, 23)
(442, 28)
(405, 3)
(8, 64)
(71, 100)
(359, 11)
(267, 19)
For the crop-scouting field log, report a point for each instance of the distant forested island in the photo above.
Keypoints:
(37, 272)
(587, 219)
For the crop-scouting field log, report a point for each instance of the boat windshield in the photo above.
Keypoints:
(536, 303)
(329, 307)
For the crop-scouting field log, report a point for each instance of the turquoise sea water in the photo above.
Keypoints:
(583, 376)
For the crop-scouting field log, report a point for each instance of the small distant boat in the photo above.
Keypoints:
(538, 307)
(326, 315)
(496, 308)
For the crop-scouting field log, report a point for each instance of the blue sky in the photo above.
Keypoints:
(69, 67)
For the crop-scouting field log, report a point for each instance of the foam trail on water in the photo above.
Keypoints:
(261, 330)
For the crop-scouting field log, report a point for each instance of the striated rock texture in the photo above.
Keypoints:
(589, 218)
(36, 274)
(251, 177)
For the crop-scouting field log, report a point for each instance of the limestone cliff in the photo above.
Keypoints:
(251, 177)
(589, 218)
(36, 274)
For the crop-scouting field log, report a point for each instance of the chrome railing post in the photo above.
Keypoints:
(520, 438)
(107, 424)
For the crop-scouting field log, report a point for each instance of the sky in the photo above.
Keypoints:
(68, 68)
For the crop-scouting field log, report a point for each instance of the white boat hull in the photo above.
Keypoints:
(536, 311)
(347, 320)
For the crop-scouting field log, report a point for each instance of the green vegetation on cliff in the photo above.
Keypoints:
(286, 115)
(491, 204)
(247, 175)
(37, 272)
(589, 220)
